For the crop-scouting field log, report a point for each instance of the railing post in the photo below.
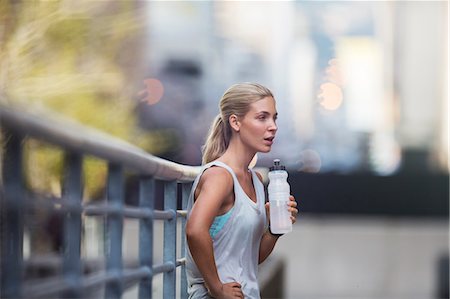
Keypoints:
(185, 191)
(72, 192)
(146, 201)
(12, 214)
(170, 239)
(114, 224)
(15, 206)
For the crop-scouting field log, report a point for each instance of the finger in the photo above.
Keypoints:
(294, 211)
(237, 293)
(292, 203)
(235, 285)
(292, 198)
(292, 208)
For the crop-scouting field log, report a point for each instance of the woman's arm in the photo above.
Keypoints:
(213, 195)
(269, 240)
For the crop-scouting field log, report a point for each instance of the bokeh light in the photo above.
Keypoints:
(309, 161)
(331, 96)
(153, 92)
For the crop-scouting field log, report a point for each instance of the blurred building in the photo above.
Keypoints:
(360, 86)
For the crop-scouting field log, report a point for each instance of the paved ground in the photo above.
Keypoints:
(337, 257)
(348, 257)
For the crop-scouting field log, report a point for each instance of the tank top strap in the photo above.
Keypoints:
(238, 192)
(259, 189)
(205, 167)
(228, 168)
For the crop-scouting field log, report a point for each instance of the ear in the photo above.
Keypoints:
(234, 122)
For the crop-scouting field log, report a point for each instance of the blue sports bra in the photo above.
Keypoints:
(219, 222)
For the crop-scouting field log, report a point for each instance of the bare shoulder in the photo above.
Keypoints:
(216, 173)
(216, 179)
(212, 195)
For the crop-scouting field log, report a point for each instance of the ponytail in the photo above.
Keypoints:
(217, 140)
(236, 100)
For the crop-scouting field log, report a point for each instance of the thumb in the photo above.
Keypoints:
(267, 205)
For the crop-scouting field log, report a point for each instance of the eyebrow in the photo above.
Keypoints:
(266, 113)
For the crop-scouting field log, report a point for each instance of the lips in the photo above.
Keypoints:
(269, 140)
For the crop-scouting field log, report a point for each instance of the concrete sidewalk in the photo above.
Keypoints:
(355, 257)
(330, 257)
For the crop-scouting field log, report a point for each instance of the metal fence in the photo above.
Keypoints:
(77, 142)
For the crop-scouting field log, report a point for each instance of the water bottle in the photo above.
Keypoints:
(279, 191)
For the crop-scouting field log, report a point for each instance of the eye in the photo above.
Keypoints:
(262, 117)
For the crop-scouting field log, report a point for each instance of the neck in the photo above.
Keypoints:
(237, 156)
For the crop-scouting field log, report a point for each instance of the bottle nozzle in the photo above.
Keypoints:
(277, 165)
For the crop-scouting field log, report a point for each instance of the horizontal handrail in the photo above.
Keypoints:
(55, 261)
(182, 213)
(56, 285)
(103, 209)
(60, 205)
(76, 137)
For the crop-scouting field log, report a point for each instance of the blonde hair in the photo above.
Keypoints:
(236, 100)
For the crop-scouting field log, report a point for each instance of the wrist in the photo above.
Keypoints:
(269, 230)
(214, 290)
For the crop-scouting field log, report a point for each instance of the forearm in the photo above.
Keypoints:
(267, 244)
(201, 248)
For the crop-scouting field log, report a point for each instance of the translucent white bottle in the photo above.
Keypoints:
(279, 191)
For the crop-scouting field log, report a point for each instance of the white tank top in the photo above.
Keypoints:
(236, 244)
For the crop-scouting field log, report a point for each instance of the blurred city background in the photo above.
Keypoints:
(362, 95)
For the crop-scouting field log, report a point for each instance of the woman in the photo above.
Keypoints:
(227, 229)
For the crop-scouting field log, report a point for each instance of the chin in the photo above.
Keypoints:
(265, 150)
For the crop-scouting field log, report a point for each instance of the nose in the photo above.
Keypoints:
(273, 126)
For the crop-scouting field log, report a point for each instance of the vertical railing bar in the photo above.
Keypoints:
(170, 239)
(72, 192)
(115, 193)
(146, 200)
(12, 211)
(185, 191)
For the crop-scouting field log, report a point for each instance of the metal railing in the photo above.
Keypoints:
(77, 142)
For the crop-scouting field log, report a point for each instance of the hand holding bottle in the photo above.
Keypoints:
(282, 205)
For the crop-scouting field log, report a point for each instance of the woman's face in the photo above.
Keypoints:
(258, 126)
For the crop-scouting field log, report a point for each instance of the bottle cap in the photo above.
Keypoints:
(277, 165)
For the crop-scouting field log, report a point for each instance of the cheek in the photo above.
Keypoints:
(257, 128)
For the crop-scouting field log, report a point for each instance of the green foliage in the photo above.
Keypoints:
(44, 167)
(69, 56)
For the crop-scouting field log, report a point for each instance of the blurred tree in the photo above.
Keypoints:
(87, 61)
